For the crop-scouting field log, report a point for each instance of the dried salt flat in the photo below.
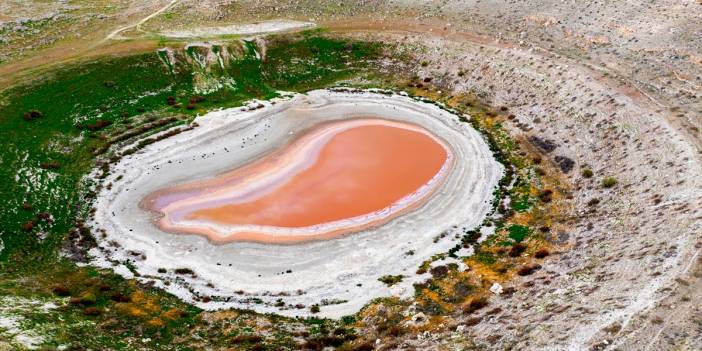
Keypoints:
(339, 274)
(272, 26)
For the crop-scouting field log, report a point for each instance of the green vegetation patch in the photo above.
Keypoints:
(50, 127)
(52, 131)
(391, 280)
(518, 232)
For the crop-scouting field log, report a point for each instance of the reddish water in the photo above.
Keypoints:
(335, 172)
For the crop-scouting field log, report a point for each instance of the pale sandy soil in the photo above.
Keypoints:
(633, 257)
(245, 29)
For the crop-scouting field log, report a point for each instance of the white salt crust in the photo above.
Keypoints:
(323, 272)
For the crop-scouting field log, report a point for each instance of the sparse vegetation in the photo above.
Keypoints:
(391, 280)
(609, 182)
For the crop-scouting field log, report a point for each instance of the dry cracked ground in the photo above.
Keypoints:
(615, 86)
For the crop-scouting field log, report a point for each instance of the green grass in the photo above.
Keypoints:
(518, 232)
(609, 182)
(124, 91)
(117, 89)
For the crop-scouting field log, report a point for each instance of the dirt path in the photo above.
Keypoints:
(113, 34)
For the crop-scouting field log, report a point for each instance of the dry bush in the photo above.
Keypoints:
(517, 249)
(61, 290)
(32, 115)
(247, 338)
(196, 99)
(439, 271)
(50, 165)
(541, 253)
(184, 271)
(473, 321)
(528, 269)
(475, 304)
(28, 226)
(92, 311)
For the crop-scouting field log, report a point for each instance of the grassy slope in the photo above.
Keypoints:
(119, 90)
(115, 90)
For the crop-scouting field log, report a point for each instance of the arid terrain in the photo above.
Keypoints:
(602, 99)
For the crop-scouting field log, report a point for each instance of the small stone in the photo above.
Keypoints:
(496, 288)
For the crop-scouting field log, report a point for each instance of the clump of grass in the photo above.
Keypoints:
(546, 196)
(391, 280)
(541, 253)
(32, 115)
(518, 232)
(517, 249)
(609, 182)
(92, 311)
(61, 290)
(476, 304)
(528, 269)
(184, 271)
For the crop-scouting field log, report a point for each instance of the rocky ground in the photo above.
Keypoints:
(613, 87)
(633, 248)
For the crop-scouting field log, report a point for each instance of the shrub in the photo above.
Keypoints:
(609, 182)
(439, 271)
(184, 271)
(119, 297)
(92, 311)
(508, 291)
(475, 304)
(546, 196)
(32, 115)
(28, 226)
(473, 321)
(564, 163)
(367, 346)
(518, 232)
(587, 173)
(495, 310)
(528, 269)
(50, 165)
(86, 299)
(196, 99)
(95, 126)
(61, 290)
(314, 308)
(312, 345)
(391, 280)
(517, 249)
(541, 253)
